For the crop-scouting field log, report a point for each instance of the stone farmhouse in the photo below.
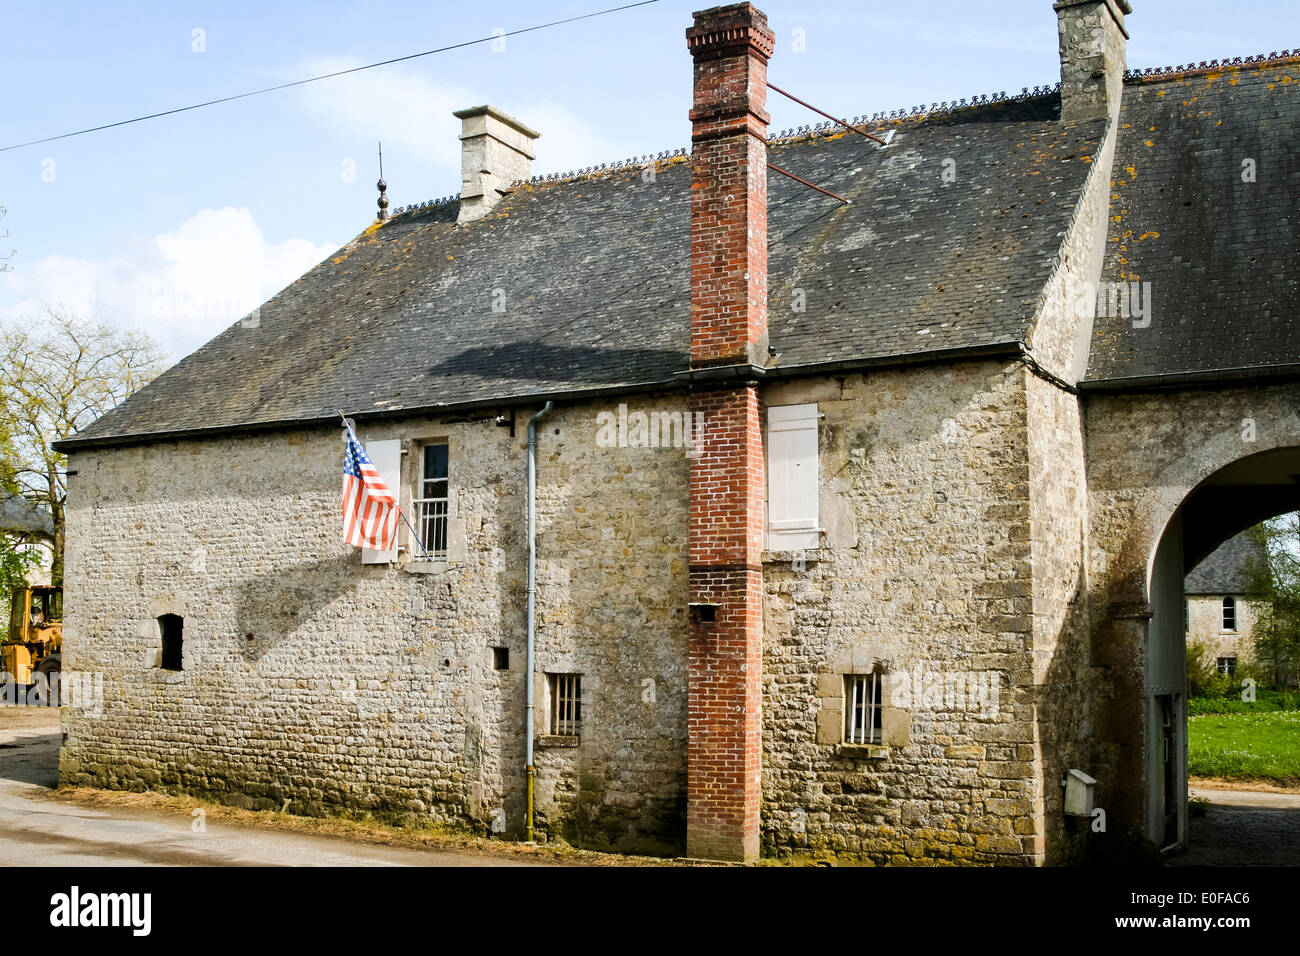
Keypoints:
(1219, 617)
(860, 527)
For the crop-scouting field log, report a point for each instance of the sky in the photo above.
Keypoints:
(182, 224)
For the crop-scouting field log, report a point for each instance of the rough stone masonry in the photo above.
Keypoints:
(922, 561)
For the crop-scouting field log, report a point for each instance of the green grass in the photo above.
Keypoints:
(1261, 744)
(1265, 700)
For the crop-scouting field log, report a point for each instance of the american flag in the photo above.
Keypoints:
(370, 509)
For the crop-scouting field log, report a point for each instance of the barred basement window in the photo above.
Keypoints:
(172, 627)
(862, 709)
(1227, 666)
(1229, 614)
(566, 704)
(431, 503)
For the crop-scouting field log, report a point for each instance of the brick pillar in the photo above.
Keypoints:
(731, 46)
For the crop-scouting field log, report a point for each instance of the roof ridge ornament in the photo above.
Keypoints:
(1137, 75)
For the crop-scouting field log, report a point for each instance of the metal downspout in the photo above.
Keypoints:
(532, 592)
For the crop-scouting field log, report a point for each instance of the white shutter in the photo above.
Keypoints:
(792, 510)
(387, 457)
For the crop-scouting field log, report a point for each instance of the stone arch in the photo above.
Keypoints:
(1166, 473)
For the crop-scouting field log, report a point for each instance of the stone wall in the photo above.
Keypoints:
(925, 573)
(1205, 626)
(1146, 453)
(338, 686)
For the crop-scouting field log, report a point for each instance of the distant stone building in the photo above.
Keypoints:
(26, 523)
(1219, 616)
(859, 525)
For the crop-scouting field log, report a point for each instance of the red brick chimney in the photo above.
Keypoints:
(731, 46)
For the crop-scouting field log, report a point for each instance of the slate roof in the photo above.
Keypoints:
(1225, 571)
(1222, 255)
(594, 271)
(18, 515)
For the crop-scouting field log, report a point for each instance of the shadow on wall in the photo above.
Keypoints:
(270, 608)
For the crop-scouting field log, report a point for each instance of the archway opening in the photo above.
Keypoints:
(1232, 500)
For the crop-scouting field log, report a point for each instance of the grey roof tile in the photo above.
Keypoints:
(595, 276)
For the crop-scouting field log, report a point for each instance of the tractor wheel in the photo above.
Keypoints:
(52, 668)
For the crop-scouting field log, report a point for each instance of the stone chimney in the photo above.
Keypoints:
(731, 46)
(1093, 60)
(495, 151)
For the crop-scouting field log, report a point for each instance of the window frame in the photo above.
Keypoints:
(564, 704)
(1228, 612)
(864, 708)
(420, 501)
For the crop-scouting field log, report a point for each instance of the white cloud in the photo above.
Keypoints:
(182, 286)
(402, 108)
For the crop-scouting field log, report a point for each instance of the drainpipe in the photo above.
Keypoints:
(532, 592)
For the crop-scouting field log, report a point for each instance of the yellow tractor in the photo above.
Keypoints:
(34, 645)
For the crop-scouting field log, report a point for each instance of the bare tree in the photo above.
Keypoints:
(55, 379)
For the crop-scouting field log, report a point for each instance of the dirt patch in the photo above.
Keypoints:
(1241, 783)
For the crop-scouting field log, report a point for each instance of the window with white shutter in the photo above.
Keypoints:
(792, 475)
(387, 457)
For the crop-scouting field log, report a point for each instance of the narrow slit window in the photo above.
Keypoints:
(566, 704)
(172, 628)
(431, 503)
(862, 709)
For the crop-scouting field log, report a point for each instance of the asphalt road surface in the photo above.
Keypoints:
(37, 831)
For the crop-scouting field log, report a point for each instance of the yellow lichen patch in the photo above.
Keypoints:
(1149, 235)
(1132, 171)
(1149, 143)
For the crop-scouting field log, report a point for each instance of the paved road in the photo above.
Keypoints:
(36, 831)
(1243, 828)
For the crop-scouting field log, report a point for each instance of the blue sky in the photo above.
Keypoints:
(181, 224)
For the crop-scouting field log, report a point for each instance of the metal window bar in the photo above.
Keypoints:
(862, 713)
(431, 504)
(566, 704)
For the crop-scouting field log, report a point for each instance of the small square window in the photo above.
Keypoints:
(566, 704)
(1227, 666)
(862, 709)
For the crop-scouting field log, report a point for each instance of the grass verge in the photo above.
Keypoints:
(1261, 745)
(433, 838)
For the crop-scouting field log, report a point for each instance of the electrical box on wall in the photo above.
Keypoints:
(1078, 793)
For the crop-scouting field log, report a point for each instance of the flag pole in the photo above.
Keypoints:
(414, 535)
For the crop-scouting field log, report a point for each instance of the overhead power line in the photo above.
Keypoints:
(326, 76)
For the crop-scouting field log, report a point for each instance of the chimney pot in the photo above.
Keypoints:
(495, 151)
